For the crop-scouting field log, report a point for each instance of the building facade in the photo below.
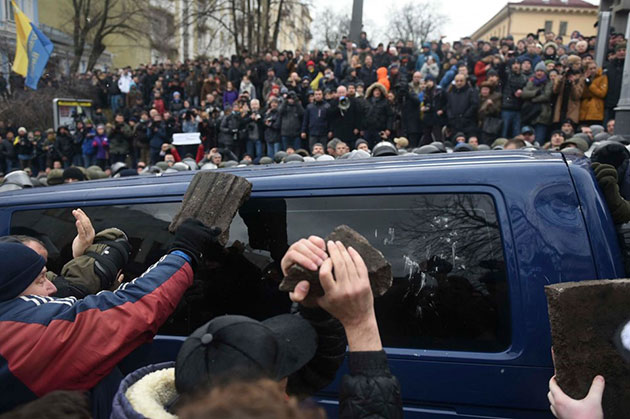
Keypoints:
(559, 16)
(171, 30)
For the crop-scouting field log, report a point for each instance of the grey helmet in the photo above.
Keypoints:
(209, 166)
(117, 167)
(19, 178)
(181, 167)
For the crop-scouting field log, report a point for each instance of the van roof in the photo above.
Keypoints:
(175, 183)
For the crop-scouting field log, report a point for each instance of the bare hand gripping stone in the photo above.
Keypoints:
(379, 270)
(584, 320)
(213, 198)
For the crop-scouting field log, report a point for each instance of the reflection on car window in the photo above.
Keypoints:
(450, 287)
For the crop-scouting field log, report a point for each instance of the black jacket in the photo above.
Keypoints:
(410, 120)
(461, 107)
(380, 115)
(367, 75)
(290, 119)
(370, 391)
(513, 82)
(343, 123)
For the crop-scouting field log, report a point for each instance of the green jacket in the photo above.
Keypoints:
(540, 94)
(120, 139)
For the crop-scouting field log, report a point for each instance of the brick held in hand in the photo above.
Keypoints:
(585, 318)
(379, 269)
(213, 198)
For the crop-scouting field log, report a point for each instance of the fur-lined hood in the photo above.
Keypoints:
(373, 86)
(146, 393)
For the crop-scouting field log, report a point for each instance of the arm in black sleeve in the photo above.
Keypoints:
(370, 390)
(331, 348)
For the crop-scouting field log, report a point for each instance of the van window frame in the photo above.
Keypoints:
(517, 321)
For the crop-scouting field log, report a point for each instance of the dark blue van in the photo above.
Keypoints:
(472, 238)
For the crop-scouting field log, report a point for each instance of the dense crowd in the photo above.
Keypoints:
(539, 91)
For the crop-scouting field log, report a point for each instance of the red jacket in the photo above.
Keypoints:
(49, 344)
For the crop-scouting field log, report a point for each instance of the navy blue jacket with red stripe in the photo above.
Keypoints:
(49, 344)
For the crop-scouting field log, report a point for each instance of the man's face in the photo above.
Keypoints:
(621, 54)
(341, 149)
(610, 127)
(169, 159)
(40, 286)
(318, 149)
(216, 159)
(587, 131)
(417, 76)
(363, 146)
(120, 119)
(352, 91)
(463, 70)
(529, 137)
(368, 60)
(319, 96)
(556, 140)
(567, 128)
(540, 74)
(460, 81)
(531, 48)
(526, 66)
(57, 165)
(341, 91)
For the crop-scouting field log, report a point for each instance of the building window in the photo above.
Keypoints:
(8, 8)
(548, 25)
(563, 29)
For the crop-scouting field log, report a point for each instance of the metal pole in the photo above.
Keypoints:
(356, 25)
(622, 111)
(602, 38)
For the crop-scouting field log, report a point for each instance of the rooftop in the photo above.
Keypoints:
(556, 3)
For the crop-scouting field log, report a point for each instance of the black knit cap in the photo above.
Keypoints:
(244, 348)
(21, 266)
(73, 173)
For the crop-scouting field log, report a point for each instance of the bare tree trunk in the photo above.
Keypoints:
(250, 24)
(80, 30)
(276, 29)
(97, 43)
(95, 54)
(258, 23)
(236, 45)
(265, 26)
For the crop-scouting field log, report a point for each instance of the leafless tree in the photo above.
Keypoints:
(416, 21)
(329, 27)
(252, 24)
(95, 20)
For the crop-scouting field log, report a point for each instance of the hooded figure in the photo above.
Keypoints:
(379, 116)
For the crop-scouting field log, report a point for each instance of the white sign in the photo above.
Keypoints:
(188, 138)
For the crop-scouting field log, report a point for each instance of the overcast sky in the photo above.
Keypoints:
(465, 16)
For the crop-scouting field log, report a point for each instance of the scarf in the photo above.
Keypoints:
(538, 82)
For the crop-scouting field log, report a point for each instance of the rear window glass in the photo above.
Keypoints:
(450, 287)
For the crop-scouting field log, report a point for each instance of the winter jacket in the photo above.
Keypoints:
(344, 122)
(410, 120)
(23, 146)
(489, 107)
(157, 135)
(379, 115)
(569, 96)
(100, 143)
(232, 129)
(63, 145)
(513, 82)
(249, 88)
(272, 130)
(431, 100)
(290, 119)
(422, 58)
(315, 120)
(381, 75)
(146, 392)
(120, 138)
(540, 94)
(370, 390)
(229, 97)
(461, 107)
(593, 97)
(51, 343)
(367, 75)
(448, 78)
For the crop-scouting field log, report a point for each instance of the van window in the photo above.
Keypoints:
(450, 288)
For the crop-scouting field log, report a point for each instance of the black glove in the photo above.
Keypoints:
(192, 236)
(606, 176)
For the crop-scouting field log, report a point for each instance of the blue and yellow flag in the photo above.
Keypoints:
(33, 49)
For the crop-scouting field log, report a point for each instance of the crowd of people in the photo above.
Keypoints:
(538, 91)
